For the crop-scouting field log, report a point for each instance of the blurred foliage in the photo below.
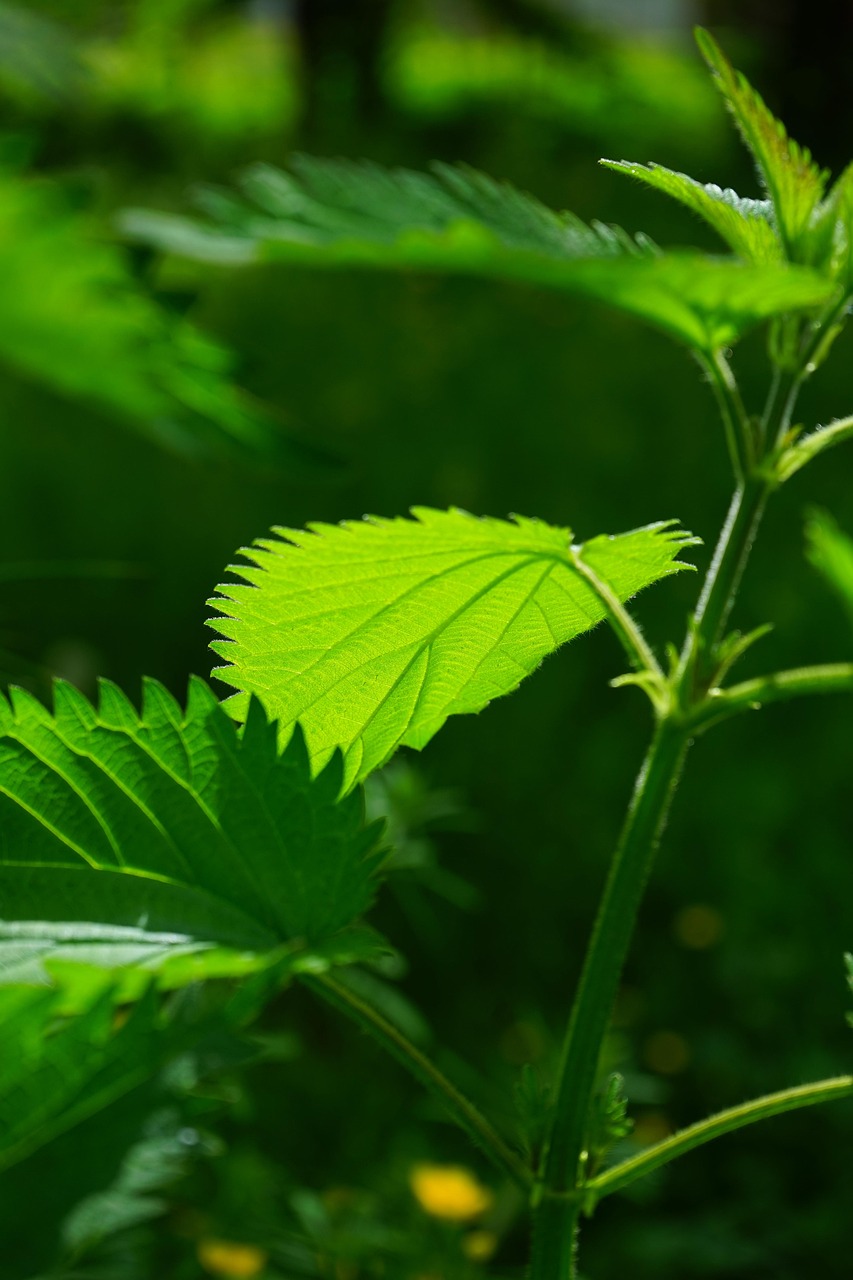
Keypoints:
(422, 390)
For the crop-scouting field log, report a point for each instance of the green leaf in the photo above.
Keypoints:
(73, 317)
(341, 214)
(789, 175)
(63, 1070)
(831, 551)
(609, 1121)
(745, 225)
(371, 634)
(802, 451)
(170, 841)
(831, 232)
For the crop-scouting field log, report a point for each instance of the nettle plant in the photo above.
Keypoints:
(143, 852)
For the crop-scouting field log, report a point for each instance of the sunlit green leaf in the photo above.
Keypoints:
(791, 178)
(831, 231)
(745, 225)
(169, 841)
(810, 446)
(371, 634)
(341, 214)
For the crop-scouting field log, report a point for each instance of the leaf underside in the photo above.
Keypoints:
(371, 634)
(342, 214)
(745, 225)
(169, 840)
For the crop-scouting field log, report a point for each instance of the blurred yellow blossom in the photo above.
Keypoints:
(479, 1245)
(231, 1260)
(449, 1191)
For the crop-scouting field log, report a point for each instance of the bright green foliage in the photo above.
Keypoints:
(341, 214)
(831, 551)
(63, 1070)
(72, 316)
(745, 225)
(791, 178)
(171, 841)
(807, 447)
(371, 634)
(831, 237)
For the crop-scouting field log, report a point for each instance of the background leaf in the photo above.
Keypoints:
(71, 315)
(371, 634)
(64, 1070)
(338, 213)
(170, 841)
(831, 551)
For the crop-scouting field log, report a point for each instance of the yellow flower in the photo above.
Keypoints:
(479, 1245)
(231, 1260)
(449, 1191)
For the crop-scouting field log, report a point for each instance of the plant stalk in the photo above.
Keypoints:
(696, 1135)
(751, 695)
(463, 1111)
(560, 1199)
(556, 1216)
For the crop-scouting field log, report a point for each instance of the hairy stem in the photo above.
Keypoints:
(772, 1104)
(736, 422)
(751, 695)
(561, 1196)
(425, 1072)
(556, 1216)
(628, 632)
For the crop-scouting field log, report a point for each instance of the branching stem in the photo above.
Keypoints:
(696, 1135)
(630, 636)
(751, 695)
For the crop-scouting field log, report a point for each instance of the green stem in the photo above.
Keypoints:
(630, 636)
(735, 419)
(556, 1216)
(696, 1135)
(751, 695)
(425, 1072)
(699, 655)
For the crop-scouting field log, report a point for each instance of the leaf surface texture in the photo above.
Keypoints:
(169, 838)
(371, 634)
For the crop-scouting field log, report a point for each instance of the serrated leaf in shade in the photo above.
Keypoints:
(745, 225)
(73, 317)
(341, 214)
(831, 551)
(793, 181)
(168, 840)
(371, 634)
(64, 1070)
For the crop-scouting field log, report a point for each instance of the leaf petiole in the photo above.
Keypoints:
(463, 1111)
(751, 695)
(696, 1135)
